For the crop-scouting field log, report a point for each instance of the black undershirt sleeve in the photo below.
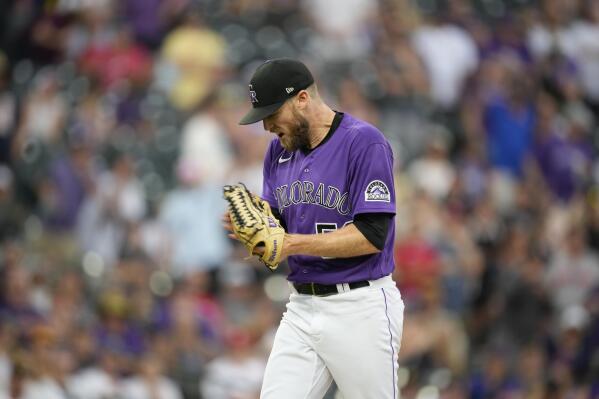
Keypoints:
(374, 226)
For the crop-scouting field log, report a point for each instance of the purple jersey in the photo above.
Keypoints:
(321, 191)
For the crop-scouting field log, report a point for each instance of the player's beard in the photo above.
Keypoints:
(299, 137)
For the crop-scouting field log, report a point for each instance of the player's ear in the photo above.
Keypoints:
(301, 99)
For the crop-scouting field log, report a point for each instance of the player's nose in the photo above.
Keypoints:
(267, 125)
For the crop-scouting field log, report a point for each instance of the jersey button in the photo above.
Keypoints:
(305, 271)
(306, 170)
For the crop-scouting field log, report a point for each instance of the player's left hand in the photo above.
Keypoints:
(250, 221)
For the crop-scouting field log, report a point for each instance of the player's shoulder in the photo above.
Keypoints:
(361, 132)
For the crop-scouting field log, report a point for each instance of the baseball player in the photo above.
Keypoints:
(328, 179)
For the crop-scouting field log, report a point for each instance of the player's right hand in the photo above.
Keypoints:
(226, 223)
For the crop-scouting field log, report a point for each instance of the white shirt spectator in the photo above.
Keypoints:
(570, 278)
(126, 196)
(102, 218)
(192, 218)
(44, 387)
(138, 388)
(346, 35)
(433, 173)
(578, 42)
(543, 41)
(205, 149)
(227, 378)
(583, 47)
(44, 111)
(91, 383)
(450, 55)
(5, 375)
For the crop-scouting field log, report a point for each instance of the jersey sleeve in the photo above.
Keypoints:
(371, 179)
(267, 179)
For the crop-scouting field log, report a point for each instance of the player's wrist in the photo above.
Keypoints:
(289, 245)
(302, 244)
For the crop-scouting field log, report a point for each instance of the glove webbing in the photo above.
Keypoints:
(241, 212)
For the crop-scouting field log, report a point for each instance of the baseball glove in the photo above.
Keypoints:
(254, 224)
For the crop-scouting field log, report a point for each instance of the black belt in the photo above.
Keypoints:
(324, 289)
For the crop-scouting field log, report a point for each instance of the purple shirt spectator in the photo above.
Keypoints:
(69, 193)
(127, 340)
(144, 19)
(563, 164)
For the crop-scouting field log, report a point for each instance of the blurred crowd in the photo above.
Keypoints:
(118, 128)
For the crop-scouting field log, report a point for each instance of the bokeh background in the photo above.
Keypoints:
(118, 128)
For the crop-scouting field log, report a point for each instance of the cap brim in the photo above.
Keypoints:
(257, 114)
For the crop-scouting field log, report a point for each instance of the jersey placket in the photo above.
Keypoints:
(304, 174)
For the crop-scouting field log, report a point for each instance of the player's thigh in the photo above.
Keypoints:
(294, 370)
(363, 346)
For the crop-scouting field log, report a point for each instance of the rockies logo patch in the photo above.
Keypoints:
(253, 97)
(377, 191)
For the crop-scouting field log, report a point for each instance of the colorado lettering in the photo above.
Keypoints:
(306, 192)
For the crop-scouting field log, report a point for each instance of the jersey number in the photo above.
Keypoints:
(322, 228)
(325, 227)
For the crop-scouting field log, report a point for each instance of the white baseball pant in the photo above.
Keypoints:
(352, 337)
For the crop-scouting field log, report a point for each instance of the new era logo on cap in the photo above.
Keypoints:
(273, 83)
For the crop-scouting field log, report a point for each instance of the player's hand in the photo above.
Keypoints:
(226, 223)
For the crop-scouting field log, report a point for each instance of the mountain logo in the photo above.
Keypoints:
(377, 191)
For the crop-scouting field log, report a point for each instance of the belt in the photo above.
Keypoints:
(326, 290)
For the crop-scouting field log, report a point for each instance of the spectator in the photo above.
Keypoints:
(564, 162)
(62, 192)
(347, 37)
(8, 111)
(433, 173)
(585, 50)
(12, 214)
(6, 364)
(96, 382)
(188, 214)
(449, 54)
(236, 374)
(149, 382)
(44, 116)
(104, 217)
(205, 148)
(509, 121)
(573, 272)
(193, 57)
(118, 127)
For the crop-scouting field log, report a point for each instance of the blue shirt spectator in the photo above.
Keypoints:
(509, 130)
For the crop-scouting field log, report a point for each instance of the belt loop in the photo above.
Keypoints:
(312, 285)
(340, 288)
(346, 287)
(292, 288)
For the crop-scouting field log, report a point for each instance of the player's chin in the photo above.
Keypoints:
(286, 144)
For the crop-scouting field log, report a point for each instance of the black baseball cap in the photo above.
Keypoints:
(273, 83)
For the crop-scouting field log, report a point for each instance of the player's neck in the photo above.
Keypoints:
(321, 124)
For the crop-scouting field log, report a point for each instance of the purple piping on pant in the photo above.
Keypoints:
(390, 343)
